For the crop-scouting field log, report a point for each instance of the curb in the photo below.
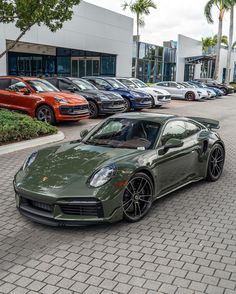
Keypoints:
(13, 147)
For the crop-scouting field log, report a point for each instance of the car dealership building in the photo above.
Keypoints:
(95, 42)
(98, 41)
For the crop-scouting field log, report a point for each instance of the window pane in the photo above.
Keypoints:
(174, 130)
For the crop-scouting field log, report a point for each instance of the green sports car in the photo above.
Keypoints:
(118, 169)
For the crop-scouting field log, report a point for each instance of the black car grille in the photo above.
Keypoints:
(37, 205)
(85, 207)
(74, 110)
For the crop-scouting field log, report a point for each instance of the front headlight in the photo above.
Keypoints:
(103, 97)
(157, 92)
(30, 160)
(102, 176)
(135, 94)
(61, 100)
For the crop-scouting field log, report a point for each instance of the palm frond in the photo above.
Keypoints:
(208, 10)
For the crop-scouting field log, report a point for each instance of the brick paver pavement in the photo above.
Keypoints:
(187, 243)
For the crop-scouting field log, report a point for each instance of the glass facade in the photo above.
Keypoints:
(66, 62)
(155, 63)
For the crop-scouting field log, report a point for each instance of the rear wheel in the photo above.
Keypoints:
(93, 109)
(137, 197)
(45, 113)
(216, 163)
(224, 90)
(190, 96)
(127, 105)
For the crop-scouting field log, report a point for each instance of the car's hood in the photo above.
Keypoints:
(152, 90)
(70, 97)
(59, 167)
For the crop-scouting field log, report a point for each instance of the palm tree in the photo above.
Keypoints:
(230, 47)
(209, 42)
(222, 6)
(140, 8)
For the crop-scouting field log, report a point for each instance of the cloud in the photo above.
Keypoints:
(172, 17)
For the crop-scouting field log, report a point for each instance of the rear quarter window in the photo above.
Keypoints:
(4, 84)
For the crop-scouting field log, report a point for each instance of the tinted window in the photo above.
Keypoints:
(174, 130)
(64, 85)
(163, 84)
(17, 85)
(100, 84)
(191, 129)
(53, 82)
(4, 84)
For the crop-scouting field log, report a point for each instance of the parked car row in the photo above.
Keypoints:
(57, 99)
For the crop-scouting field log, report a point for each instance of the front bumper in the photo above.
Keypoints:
(75, 112)
(141, 103)
(80, 211)
(162, 99)
(112, 107)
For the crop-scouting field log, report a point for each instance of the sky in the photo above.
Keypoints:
(172, 17)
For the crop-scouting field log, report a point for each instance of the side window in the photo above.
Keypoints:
(4, 84)
(191, 129)
(64, 85)
(174, 130)
(16, 85)
(53, 82)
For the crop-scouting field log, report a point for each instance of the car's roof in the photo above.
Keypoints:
(99, 77)
(20, 77)
(154, 117)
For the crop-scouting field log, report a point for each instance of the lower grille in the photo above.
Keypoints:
(74, 110)
(37, 205)
(83, 208)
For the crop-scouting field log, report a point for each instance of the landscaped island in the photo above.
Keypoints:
(15, 127)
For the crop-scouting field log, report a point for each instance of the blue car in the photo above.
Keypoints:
(133, 99)
(217, 91)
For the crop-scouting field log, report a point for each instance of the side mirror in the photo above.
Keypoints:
(107, 88)
(171, 143)
(84, 133)
(179, 87)
(25, 91)
(71, 89)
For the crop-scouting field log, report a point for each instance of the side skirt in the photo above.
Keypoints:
(175, 189)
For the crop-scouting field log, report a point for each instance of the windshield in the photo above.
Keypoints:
(84, 85)
(128, 83)
(140, 83)
(41, 86)
(125, 133)
(187, 85)
(115, 84)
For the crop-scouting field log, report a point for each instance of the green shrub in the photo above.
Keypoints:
(233, 85)
(17, 127)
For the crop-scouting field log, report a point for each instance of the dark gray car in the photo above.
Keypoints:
(100, 102)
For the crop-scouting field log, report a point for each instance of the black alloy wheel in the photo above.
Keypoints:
(224, 90)
(190, 96)
(138, 197)
(216, 163)
(93, 109)
(45, 113)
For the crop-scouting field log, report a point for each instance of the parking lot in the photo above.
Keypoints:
(186, 244)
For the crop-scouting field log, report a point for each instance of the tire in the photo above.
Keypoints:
(153, 103)
(46, 114)
(137, 198)
(93, 109)
(224, 90)
(159, 106)
(127, 104)
(215, 163)
(190, 96)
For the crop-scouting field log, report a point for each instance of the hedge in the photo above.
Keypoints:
(16, 127)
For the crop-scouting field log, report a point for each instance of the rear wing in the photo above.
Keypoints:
(207, 122)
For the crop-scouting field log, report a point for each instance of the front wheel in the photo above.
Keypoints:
(45, 113)
(190, 96)
(127, 105)
(93, 109)
(137, 197)
(216, 163)
(224, 90)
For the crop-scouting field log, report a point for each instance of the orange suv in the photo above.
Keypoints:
(42, 100)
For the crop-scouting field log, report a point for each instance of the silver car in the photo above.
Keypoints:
(180, 92)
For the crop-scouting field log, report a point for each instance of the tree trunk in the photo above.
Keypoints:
(217, 62)
(229, 53)
(12, 45)
(137, 49)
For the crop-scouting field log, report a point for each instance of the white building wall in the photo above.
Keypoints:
(186, 47)
(223, 63)
(92, 28)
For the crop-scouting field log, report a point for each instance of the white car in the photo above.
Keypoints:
(181, 92)
(159, 96)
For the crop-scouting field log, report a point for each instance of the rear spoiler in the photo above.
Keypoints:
(207, 122)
